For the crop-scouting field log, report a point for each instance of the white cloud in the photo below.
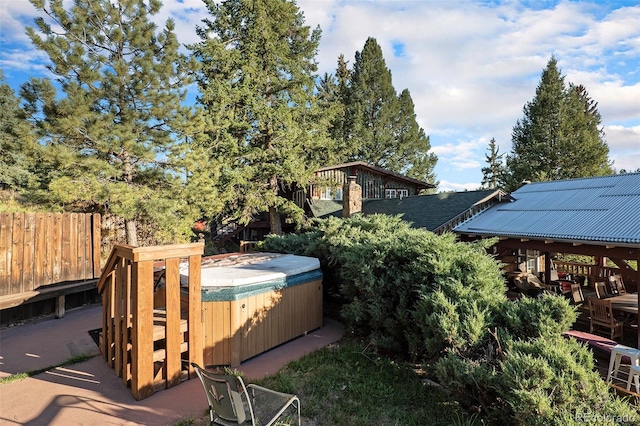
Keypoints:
(446, 186)
(470, 66)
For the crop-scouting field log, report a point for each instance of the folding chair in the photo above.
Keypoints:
(231, 403)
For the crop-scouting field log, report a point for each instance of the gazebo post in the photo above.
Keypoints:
(547, 267)
(638, 289)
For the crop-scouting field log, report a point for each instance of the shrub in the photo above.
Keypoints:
(434, 299)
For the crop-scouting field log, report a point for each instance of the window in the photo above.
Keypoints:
(331, 194)
(396, 193)
(528, 261)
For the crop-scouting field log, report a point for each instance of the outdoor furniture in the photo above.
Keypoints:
(601, 290)
(602, 316)
(230, 403)
(576, 294)
(627, 305)
(634, 371)
(617, 285)
(578, 298)
(615, 361)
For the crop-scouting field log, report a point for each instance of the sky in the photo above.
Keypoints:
(470, 66)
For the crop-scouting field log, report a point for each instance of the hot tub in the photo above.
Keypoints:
(252, 302)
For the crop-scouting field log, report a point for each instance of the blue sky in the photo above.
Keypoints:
(470, 65)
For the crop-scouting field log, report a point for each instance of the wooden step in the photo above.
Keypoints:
(160, 354)
(160, 322)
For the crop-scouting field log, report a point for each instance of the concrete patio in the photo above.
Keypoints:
(89, 393)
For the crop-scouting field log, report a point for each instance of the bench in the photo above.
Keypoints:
(600, 344)
(57, 291)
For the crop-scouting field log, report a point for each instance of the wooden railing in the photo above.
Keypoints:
(594, 272)
(151, 346)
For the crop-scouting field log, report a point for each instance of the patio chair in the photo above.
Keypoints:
(578, 298)
(233, 403)
(576, 294)
(601, 290)
(602, 316)
(617, 285)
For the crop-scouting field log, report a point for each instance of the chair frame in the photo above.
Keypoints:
(235, 391)
(602, 316)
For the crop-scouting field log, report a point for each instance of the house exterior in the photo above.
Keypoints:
(375, 182)
(326, 194)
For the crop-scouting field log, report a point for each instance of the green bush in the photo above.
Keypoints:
(430, 298)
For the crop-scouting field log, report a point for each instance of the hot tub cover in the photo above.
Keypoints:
(237, 276)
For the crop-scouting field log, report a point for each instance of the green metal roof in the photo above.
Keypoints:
(431, 211)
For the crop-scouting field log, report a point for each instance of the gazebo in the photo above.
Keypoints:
(598, 216)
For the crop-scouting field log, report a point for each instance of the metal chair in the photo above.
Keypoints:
(601, 315)
(231, 403)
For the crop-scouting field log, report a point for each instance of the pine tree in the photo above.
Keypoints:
(18, 147)
(492, 175)
(257, 88)
(380, 127)
(558, 137)
(411, 155)
(372, 106)
(113, 129)
(123, 82)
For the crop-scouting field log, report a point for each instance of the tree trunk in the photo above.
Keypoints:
(132, 232)
(274, 221)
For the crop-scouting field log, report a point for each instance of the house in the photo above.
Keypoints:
(597, 216)
(325, 197)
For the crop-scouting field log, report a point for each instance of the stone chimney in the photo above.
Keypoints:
(351, 197)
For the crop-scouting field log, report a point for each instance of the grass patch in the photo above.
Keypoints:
(73, 360)
(346, 384)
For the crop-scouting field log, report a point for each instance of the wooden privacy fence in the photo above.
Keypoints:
(40, 250)
(151, 343)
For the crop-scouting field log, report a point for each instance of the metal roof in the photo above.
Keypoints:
(598, 210)
(431, 211)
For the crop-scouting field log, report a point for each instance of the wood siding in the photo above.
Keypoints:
(40, 249)
(235, 331)
(373, 183)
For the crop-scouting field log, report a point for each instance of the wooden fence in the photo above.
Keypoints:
(41, 249)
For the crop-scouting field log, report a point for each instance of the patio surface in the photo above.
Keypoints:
(89, 393)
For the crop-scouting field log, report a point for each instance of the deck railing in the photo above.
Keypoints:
(594, 272)
(151, 347)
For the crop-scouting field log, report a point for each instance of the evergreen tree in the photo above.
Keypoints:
(410, 153)
(18, 147)
(493, 174)
(257, 86)
(339, 129)
(559, 136)
(380, 127)
(113, 129)
(372, 106)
